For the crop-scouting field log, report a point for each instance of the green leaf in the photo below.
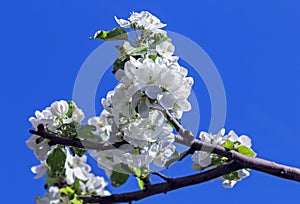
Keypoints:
(231, 176)
(52, 181)
(113, 35)
(118, 176)
(158, 39)
(78, 151)
(228, 144)
(56, 162)
(139, 51)
(246, 151)
(85, 132)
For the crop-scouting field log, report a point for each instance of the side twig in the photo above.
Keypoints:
(85, 144)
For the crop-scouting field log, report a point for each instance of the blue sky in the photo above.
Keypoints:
(254, 44)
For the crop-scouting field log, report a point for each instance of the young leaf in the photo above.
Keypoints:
(228, 144)
(246, 151)
(67, 191)
(113, 35)
(56, 162)
(76, 200)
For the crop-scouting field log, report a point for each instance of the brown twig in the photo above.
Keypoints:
(165, 186)
(85, 144)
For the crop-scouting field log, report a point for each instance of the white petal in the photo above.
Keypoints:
(79, 174)
(245, 141)
(166, 100)
(228, 183)
(152, 91)
(59, 108)
(243, 173)
(232, 136)
(123, 23)
(69, 176)
(78, 115)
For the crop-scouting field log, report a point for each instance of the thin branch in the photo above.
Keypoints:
(255, 163)
(166, 186)
(85, 144)
(167, 179)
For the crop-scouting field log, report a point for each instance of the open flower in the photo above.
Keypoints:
(243, 139)
(204, 158)
(95, 184)
(76, 167)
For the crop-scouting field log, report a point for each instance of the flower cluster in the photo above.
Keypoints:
(151, 81)
(204, 159)
(62, 168)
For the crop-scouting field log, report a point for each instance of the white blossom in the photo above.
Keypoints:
(123, 23)
(142, 20)
(243, 173)
(76, 167)
(40, 170)
(78, 115)
(45, 117)
(204, 158)
(243, 140)
(165, 48)
(59, 108)
(50, 197)
(95, 184)
(40, 148)
(228, 183)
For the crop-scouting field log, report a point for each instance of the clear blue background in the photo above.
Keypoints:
(254, 44)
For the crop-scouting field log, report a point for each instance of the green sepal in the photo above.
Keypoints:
(153, 57)
(246, 151)
(112, 35)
